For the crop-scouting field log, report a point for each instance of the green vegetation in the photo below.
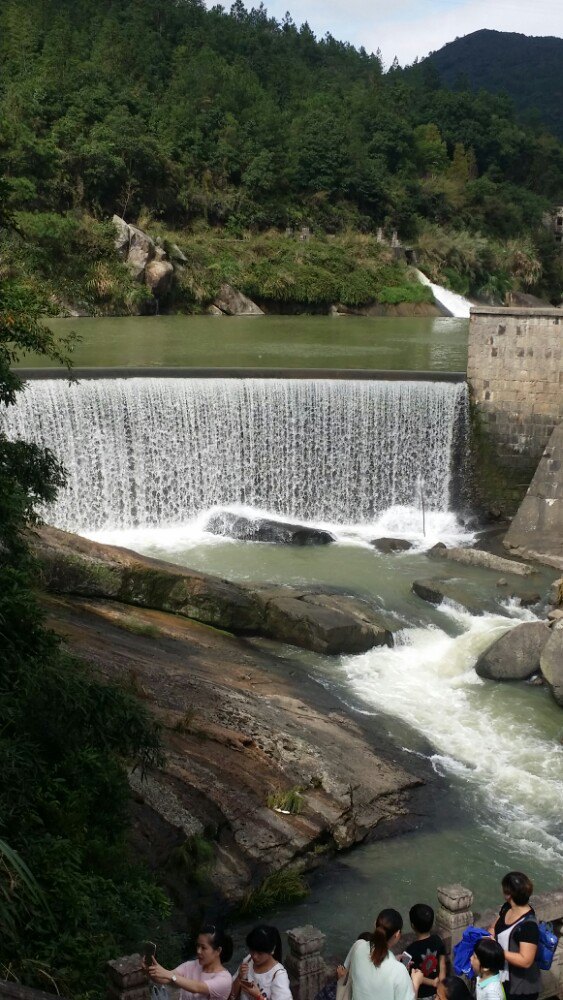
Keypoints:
(284, 886)
(70, 895)
(221, 129)
(290, 801)
(529, 70)
(193, 860)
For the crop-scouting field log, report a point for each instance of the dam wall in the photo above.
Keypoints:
(515, 374)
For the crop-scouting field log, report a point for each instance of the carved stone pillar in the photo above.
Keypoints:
(127, 980)
(454, 913)
(305, 965)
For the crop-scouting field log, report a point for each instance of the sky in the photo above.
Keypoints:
(410, 28)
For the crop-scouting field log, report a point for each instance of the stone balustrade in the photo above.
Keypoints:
(308, 971)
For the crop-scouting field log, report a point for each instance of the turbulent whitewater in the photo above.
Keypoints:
(157, 452)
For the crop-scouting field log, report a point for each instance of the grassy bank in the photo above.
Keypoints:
(69, 262)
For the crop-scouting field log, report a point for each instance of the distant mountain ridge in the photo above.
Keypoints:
(528, 69)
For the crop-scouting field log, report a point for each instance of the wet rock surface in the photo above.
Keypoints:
(240, 724)
(262, 529)
(325, 623)
(551, 662)
(514, 656)
(386, 545)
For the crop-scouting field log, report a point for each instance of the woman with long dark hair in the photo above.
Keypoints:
(204, 977)
(516, 930)
(261, 975)
(372, 966)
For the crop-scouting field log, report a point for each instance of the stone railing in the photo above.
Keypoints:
(308, 971)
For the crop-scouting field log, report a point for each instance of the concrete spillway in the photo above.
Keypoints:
(160, 451)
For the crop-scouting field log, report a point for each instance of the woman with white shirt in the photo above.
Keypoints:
(372, 966)
(261, 975)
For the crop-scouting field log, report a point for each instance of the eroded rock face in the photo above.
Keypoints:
(516, 655)
(325, 623)
(233, 303)
(231, 712)
(262, 529)
(551, 663)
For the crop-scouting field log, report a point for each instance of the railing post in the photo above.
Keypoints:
(305, 965)
(127, 979)
(454, 914)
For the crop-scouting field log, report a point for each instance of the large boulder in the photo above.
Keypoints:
(551, 663)
(516, 655)
(387, 545)
(141, 251)
(234, 303)
(263, 529)
(158, 277)
(122, 236)
(326, 623)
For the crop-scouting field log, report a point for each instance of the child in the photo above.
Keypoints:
(428, 951)
(487, 961)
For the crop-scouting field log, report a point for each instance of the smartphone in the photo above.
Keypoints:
(406, 959)
(149, 952)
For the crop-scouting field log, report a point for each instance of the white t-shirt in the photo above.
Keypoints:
(273, 985)
(389, 981)
(220, 983)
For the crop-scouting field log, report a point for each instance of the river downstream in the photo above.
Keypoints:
(148, 461)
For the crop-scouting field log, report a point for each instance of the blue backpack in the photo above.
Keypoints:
(464, 949)
(547, 945)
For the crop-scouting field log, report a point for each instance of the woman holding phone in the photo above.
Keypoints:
(261, 975)
(204, 976)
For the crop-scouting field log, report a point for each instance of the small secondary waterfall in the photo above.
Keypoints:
(146, 452)
(451, 302)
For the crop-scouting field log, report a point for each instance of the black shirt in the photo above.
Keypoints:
(525, 929)
(426, 957)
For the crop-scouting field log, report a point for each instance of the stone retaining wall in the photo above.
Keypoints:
(515, 373)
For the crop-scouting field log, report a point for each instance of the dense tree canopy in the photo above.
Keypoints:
(70, 897)
(234, 118)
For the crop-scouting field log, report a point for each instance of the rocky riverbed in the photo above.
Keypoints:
(243, 727)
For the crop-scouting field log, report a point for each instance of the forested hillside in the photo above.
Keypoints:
(529, 70)
(201, 119)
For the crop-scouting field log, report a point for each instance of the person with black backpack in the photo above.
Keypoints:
(516, 930)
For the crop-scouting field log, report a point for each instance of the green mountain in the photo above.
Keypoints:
(204, 120)
(529, 70)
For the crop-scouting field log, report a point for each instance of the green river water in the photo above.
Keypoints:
(267, 342)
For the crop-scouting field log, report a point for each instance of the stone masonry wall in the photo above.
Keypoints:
(515, 373)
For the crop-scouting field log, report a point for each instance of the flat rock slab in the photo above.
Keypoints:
(325, 623)
(515, 656)
(263, 529)
(479, 557)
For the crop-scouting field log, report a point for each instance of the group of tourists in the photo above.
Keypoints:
(504, 961)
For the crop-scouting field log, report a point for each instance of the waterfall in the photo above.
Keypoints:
(155, 451)
(452, 303)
